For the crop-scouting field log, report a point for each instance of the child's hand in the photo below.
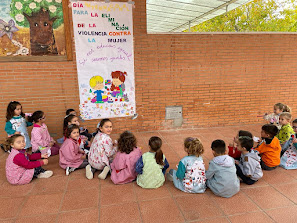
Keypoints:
(45, 161)
(84, 157)
(231, 144)
(44, 156)
(17, 133)
(81, 151)
(51, 144)
(294, 140)
(236, 162)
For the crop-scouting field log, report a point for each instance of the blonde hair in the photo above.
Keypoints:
(194, 146)
(96, 80)
(283, 107)
(286, 115)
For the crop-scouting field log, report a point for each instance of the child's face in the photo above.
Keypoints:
(277, 110)
(19, 143)
(240, 148)
(116, 81)
(42, 119)
(98, 86)
(74, 121)
(74, 134)
(295, 127)
(236, 138)
(264, 134)
(283, 120)
(18, 110)
(106, 128)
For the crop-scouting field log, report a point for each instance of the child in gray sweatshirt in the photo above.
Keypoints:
(248, 168)
(221, 174)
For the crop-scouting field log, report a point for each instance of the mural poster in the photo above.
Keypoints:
(31, 27)
(103, 35)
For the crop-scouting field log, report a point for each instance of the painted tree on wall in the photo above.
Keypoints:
(42, 16)
(256, 16)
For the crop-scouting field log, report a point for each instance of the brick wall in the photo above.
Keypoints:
(221, 79)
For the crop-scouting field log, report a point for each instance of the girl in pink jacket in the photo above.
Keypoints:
(123, 165)
(40, 137)
(71, 156)
(22, 167)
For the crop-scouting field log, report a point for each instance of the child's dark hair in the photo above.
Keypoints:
(155, 144)
(194, 146)
(36, 116)
(218, 146)
(283, 107)
(245, 133)
(10, 140)
(67, 119)
(295, 121)
(127, 142)
(10, 110)
(102, 122)
(68, 111)
(246, 142)
(270, 129)
(70, 129)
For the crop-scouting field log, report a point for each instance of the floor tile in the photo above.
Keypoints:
(128, 213)
(10, 207)
(283, 215)
(253, 217)
(56, 184)
(267, 197)
(87, 215)
(8, 190)
(80, 183)
(204, 208)
(212, 220)
(79, 199)
(162, 210)
(277, 176)
(150, 194)
(120, 194)
(42, 204)
(289, 190)
(38, 219)
(239, 203)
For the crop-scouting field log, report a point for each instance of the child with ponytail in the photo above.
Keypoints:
(151, 166)
(190, 174)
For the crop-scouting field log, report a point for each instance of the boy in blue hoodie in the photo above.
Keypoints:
(221, 174)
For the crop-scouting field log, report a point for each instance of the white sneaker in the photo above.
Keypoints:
(46, 174)
(104, 173)
(89, 173)
(69, 170)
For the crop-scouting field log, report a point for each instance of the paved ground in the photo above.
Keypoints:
(75, 199)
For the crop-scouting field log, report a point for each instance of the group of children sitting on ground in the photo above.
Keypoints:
(126, 163)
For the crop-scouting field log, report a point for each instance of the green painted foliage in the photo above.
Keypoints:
(20, 7)
(256, 16)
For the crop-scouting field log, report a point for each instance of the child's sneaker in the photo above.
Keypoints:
(169, 177)
(69, 170)
(46, 174)
(104, 173)
(89, 173)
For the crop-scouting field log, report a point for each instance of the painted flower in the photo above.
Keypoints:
(7, 28)
(52, 8)
(58, 1)
(19, 17)
(32, 5)
(18, 5)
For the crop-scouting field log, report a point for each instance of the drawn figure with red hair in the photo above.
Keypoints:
(118, 86)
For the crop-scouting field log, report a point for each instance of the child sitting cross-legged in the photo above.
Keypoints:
(248, 168)
(221, 174)
(233, 151)
(190, 174)
(123, 165)
(152, 165)
(269, 148)
(22, 167)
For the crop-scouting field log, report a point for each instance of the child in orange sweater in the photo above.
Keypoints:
(269, 148)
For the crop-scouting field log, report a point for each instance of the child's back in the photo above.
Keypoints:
(221, 176)
(152, 175)
(270, 152)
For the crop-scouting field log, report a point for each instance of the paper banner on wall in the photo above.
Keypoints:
(103, 35)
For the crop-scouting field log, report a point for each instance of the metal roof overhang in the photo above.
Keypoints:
(179, 15)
